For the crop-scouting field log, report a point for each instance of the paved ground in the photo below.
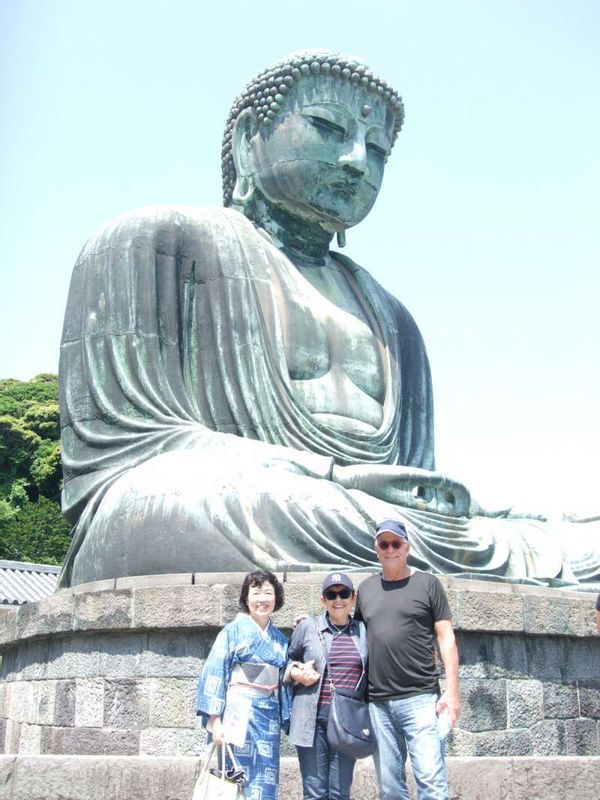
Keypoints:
(149, 778)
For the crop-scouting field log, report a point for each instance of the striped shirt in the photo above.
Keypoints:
(346, 669)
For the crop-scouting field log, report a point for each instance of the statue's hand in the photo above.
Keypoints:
(407, 486)
(510, 512)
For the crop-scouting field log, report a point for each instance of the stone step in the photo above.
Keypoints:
(153, 778)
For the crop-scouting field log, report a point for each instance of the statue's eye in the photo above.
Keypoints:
(327, 126)
(376, 150)
(378, 142)
(379, 153)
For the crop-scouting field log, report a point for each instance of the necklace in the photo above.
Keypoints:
(339, 629)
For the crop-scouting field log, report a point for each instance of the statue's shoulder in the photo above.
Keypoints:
(166, 227)
(383, 302)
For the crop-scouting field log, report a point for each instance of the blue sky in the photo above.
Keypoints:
(486, 228)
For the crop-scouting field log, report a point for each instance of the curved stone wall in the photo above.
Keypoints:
(111, 668)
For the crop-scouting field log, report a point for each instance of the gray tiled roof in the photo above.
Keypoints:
(23, 583)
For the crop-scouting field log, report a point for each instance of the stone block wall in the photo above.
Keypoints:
(527, 695)
(111, 668)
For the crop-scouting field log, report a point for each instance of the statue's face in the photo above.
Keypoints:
(324, 155)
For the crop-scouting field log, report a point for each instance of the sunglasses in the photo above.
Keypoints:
(396, 545)
(331, 595)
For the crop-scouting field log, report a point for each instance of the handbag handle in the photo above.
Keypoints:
(330, 679)
(224, 747)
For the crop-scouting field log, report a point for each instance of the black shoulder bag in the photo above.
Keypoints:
(349, 727)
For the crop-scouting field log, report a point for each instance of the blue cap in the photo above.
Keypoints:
(337, 579)
(392, 526)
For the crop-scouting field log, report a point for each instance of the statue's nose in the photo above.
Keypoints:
(356, 158)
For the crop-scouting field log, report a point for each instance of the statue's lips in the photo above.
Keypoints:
(345, 187)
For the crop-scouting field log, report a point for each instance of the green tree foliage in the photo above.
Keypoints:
(45, 469)
(31, 526)
(17, 396)
(43, 419)
(36, 532)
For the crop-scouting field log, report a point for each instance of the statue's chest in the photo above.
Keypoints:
(327, 329)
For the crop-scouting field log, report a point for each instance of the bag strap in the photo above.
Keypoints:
(326, 654)
(234, 763)
(223, 748)
(330, 679)
(206, 766)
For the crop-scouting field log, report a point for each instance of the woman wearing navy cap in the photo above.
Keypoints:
(333, 637)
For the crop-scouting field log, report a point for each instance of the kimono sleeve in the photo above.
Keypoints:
(285, 693)
(285, 702)
(215, 678)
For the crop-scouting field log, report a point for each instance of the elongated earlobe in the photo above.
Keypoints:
(243, 191)
(244, 130)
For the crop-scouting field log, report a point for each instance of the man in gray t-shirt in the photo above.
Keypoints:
(404, 612)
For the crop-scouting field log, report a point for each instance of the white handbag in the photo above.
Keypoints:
(214, 784)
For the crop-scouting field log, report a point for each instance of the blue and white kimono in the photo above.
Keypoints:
(243, 641)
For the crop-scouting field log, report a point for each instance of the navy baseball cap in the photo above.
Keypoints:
(392, 526)
(337, 579)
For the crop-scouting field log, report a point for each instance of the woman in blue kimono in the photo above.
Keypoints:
(241, 685)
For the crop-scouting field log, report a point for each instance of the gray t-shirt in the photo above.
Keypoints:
(400, 618)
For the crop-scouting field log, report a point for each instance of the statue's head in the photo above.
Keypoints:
(311, 136)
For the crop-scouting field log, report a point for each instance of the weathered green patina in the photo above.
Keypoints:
(234, 394)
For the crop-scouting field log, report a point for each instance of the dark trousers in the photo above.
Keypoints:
(326, 774)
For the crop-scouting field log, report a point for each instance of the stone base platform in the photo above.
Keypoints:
(110, 669)
(154, 778)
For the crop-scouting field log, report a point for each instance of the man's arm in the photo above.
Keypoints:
(449, 652)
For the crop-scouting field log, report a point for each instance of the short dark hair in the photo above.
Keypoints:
(257, 578)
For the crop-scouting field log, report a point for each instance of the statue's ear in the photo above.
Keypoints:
(243, 131)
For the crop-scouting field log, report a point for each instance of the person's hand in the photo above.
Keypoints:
(410, 487)
(305, 674)
(297, 620)
(218, 733)
(451, 702)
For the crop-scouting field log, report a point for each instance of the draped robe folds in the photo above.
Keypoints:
(185, 446)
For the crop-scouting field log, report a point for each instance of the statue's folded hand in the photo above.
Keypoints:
(407, 486)
(509, 512)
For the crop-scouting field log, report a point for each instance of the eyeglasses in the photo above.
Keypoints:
(344, 594)
(396, 544)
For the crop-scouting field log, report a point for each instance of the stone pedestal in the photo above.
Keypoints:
(110, 670)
